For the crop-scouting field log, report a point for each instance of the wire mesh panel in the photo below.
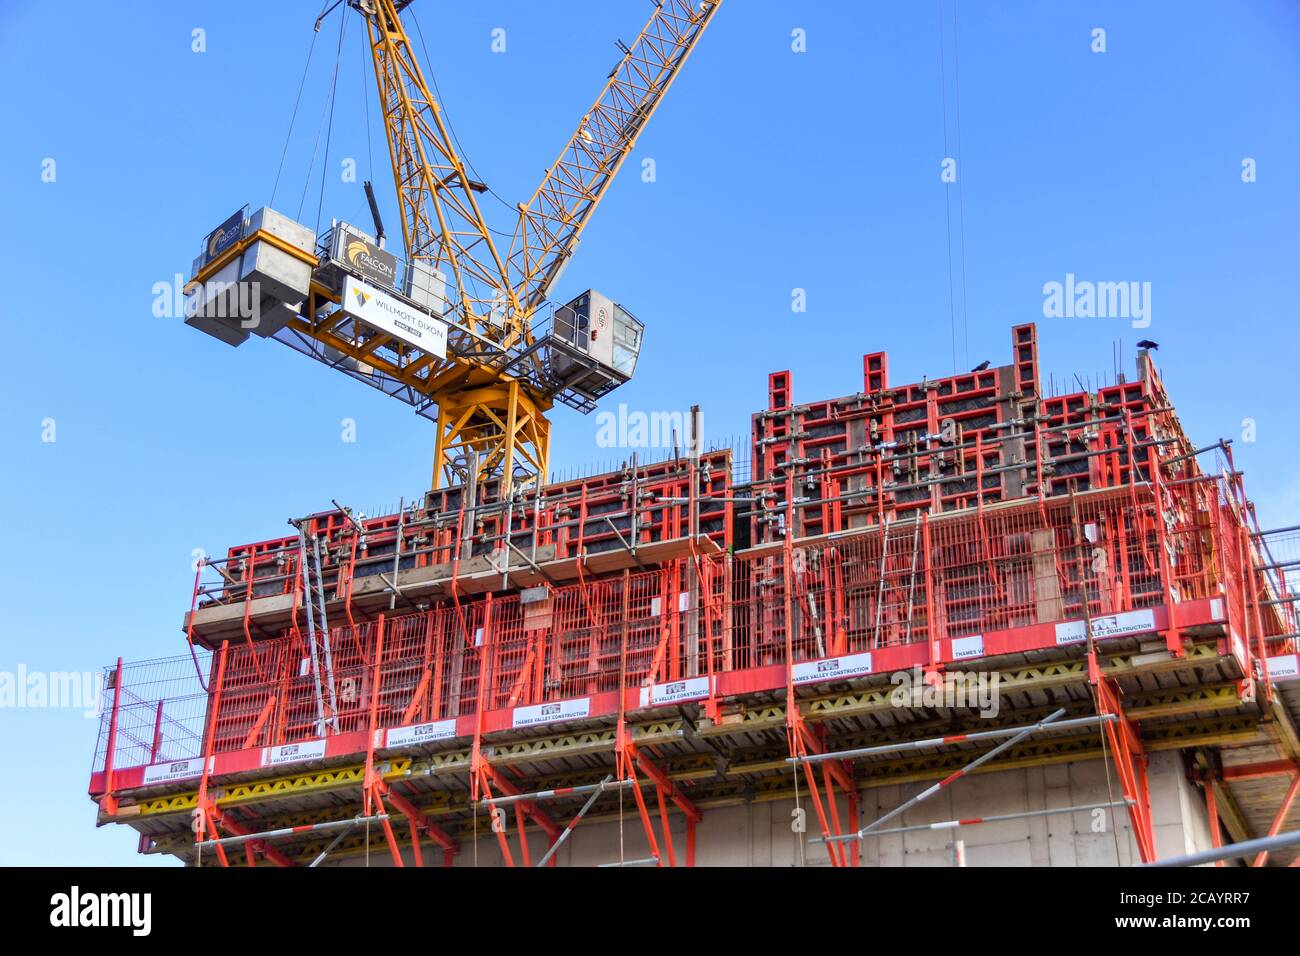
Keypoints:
(1279, 554)
(583, 628)
(411, 645)
(161, 710)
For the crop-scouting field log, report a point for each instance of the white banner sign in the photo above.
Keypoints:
(391, 315)
(421, 733)
(683, 603)
(548, 713)
(965, 647)
(175, 770)
(1238, 648)
(292, 753)
(832, 668)
(1285, 667)
(1107, 625)
(691, 689)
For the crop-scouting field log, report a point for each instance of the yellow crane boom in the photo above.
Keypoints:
(551, 221)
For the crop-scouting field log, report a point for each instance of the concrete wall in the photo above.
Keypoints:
(759, 834)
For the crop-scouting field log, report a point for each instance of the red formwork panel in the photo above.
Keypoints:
(1073, 425)
(926, 582)
(659, 502)
(875, 372)
(1024, 340)
(947, 444)
(1086, 436)
(598, 513)
(883, 455)
(890, 451)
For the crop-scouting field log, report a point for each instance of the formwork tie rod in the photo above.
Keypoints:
(291, 831)
(952, 778)
(942, 741)
(999, 818)
(597, 788)
(1232, 850)
(677, 500)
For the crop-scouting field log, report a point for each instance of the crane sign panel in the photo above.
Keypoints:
(389, 314)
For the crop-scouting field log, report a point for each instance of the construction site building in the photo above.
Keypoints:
(953, 622)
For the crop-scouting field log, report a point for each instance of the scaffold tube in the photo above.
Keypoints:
(291, 831)
(969, 821)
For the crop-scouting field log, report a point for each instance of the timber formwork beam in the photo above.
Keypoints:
(744, 717)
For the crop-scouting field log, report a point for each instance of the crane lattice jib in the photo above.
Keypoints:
(441, 220)
(552, 219)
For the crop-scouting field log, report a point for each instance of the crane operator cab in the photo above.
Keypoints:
(595, 344)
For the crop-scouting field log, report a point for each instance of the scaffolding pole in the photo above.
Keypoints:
(606, 784)
(644, 861)
(952, 778)
(597, 790)
(333, 843)
(943, 741)
(292, 831)
(1231, 851)
(969, 821)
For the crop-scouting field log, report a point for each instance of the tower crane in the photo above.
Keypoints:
(457, 327)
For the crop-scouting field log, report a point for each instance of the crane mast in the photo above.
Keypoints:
(489, 422)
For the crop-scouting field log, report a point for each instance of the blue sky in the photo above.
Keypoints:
(775, 170)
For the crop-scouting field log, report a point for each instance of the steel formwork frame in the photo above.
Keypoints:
(641, 505)
(966, 441)
(474, 658)
(1130, 761)
(1153, 537)
(940, 581)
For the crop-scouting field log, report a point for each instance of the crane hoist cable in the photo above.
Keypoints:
(947, 201)
(961, 190)
(365, 92)
(327, 106)
(961, 181)
(293, 117)
(329, 132)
